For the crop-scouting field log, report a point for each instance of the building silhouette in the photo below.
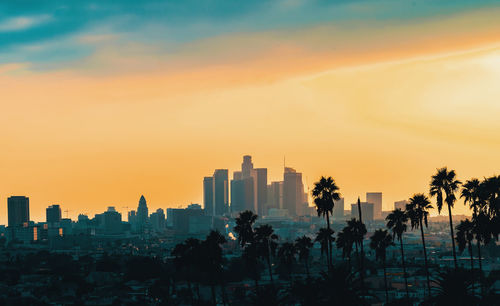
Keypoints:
(18, 210)
(221, 192)
(274, 196)
(376, 199)
(158, 220)
(208, 195)
(338, 209)
(400, 204)
(367, 213)
(53, 214)
(293, 191)
(142, 216)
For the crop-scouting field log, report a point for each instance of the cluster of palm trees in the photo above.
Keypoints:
(261, 246)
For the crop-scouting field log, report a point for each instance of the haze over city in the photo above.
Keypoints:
(118, 101)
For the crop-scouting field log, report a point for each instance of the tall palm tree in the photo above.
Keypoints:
(358, 235)
(303, 246)
(418, 212)
(286, 255)
(213, 261)
(325, 192)
(345, 241)
(380, 241)
(266, 241)
(465, 235)
(358, 231)
(244, 227)
(397, 222)
(453, 287)
(444, 183)
(470, 193)
(325, 238)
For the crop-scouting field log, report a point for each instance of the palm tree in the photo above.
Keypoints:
(325, 237)
(214, 259)
(325, 192)
(244, 227)
(360, 235)
(358, 231)
(303, 246)
(470, 193)
(444, 182)
(418, 213)
(266, 241)
(465, 234)
(380, 241)
(286, 254)
(397, 223)
(453, 287)
(345, 240)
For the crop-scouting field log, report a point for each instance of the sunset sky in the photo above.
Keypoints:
(102, 101)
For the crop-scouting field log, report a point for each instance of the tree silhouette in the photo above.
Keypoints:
(418, 212)
(265, 238)
(213, 260)
(325, 237)
(345, 240)
(444, 182)
(358, 230)
(380, 241)
(397, 222)
(286, 255)
(453, 287)
(244, 227)
(303, 246)
(325, 192)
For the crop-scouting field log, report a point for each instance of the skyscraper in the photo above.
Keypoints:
(366, 211)
(53, 214)
(221, 192)
(208, 195)
(338, 209)
(18, 210)
(293, 191)
(275, 195)
(246, 166)
(400, 204)
(242, 195)
(158, 220)
(142, 214)
(376, 199)
(260, 187)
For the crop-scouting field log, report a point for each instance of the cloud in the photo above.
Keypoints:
(23, 22)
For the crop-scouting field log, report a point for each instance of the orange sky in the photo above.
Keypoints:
(378, 106)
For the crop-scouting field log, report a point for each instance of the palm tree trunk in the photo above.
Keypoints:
(425, 258)
(480, 265)
(385, 284)
(329, 253)
(404, 267)
(270, 267)
(452, 238)
(471, 264)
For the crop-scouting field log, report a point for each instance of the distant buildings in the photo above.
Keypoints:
(220, 192)
(53, 214)
(376, 199)
(293, 192)
(208, 195)
(338, 209)
(142, 216)
(158, 220)
(18, 210)
(367, 211)
(400, 204)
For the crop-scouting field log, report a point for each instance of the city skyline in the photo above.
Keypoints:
(102, 103)
(372, 197)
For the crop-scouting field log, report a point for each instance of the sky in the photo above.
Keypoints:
(102, 101)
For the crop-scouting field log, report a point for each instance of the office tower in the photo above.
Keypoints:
(221, 192)
(376, 199)
(142, 214)
(53, 214)
(400, 204)
(275, 195)
(293, 191)
(179, 218)
(242, 195)
(18, 210)
(260, 187)
(208, 195)
(246, 166)
(158, 220)
(367, 211)
(112, 221)
(237, 175)
(338, 209)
